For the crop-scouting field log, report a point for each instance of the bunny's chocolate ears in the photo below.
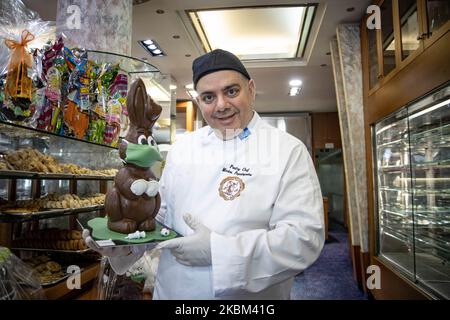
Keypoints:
(142, 110)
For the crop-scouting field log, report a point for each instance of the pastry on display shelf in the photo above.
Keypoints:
(47, 271)
(4, 165)
(52, 239)
(53, 201)
(32, 160)
(70, 201)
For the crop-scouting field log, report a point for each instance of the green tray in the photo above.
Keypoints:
(100, 231)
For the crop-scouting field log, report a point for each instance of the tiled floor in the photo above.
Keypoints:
(331, 276)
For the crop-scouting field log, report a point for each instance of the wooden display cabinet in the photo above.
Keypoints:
(418, 66)
(408, 28)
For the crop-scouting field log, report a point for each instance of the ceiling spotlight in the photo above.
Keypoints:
(295, 91)
(350, 9)
(176, 36)
(295, 83)
(172, 87)
(159, 11)
(152, 47)
(189, 86)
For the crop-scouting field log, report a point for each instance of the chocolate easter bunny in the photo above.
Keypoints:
(134, 201)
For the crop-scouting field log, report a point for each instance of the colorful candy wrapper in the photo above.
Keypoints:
(96, 130)
(45, 117)
(53, 89)
(49, 56)
(77, 121)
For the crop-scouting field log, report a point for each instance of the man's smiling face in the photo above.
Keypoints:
(225, 99)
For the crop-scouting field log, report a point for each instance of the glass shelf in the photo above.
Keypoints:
(442, 164)
(49, 176)
(417, 192)
(396, 143)
(438, 131)
(53, 213)
(128, 64)
(7, 126)
(53, 250)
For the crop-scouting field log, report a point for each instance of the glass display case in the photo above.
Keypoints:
(47, 182)
(412, 185)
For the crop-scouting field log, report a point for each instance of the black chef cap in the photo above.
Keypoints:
(216, 60)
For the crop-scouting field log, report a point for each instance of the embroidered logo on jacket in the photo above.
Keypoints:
(231, 187)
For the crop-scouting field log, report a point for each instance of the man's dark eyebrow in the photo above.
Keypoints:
(231, 86)
(206, 92)
(224, 89)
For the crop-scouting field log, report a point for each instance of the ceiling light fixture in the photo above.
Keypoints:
(276, 32)
(296, 87)
(295, 83)
(295, 91)
(152, 47)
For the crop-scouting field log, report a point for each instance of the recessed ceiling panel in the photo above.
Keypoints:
(256, 33)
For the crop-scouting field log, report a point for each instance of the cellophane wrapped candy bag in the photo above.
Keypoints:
(17, 280)
(19, 28)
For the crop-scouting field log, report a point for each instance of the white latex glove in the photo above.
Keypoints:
(121, 258)
(193, 250)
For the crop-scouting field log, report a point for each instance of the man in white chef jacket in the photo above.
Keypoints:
(244, 195)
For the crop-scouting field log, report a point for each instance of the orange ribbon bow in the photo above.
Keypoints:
(18, 84)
